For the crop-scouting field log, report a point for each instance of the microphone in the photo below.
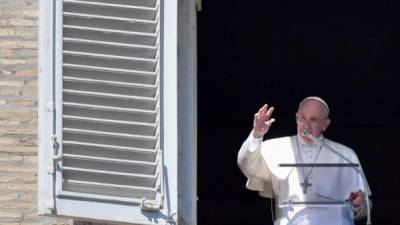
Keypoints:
(307, 133)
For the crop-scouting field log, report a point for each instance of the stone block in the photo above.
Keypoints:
(27, 73)
(10, 118)
(15, 103)
(7, 53)
(21, 186)
(10, 91)
(30, 13)
(12, 61)
(18, 169)
(9, 44)
(11, 83)
(21, 22)
(30, 89)
(18, 149)
(6, 157)
(7, 32)
(8, 141)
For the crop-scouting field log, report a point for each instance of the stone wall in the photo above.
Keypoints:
(18, 114)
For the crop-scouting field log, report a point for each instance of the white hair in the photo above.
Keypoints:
(318, 99)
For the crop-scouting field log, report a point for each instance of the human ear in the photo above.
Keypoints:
(326, 124)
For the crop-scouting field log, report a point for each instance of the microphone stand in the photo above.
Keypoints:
(307, 133)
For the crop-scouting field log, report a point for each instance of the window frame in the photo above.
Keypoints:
(48, 203)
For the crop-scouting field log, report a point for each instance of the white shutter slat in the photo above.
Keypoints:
(113, 10)
(109, 113)
(108, 151)
(111, 48)
(114, 23)
(110, 70)
(109, 75)
(105, 138)
(95, 119)
(148, 3)
(109, 126)
(110, 87)
(109, 177)
(109, 164)
(103, 198)
(110, 82)
(110, 61)
(95, 99)
(106, 190)
(144, 138)
(118, 36)
(110, 95)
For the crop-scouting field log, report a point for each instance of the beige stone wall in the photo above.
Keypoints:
(18, 114)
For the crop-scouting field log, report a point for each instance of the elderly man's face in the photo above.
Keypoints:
(312, 116)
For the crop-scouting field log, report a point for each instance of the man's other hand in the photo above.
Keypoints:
(357, 198)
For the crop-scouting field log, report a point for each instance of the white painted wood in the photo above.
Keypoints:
(147, 3)
(120, 88)
(58, 87)
(109, 151)
(46, 199)
(99, 33)
(110, 22)
(106, 211)
(110, 113)
(113, 10)
(117, 138)
(169, 79)
(111, 95)
(113, 70)
(92, 129)
(187, 99)
(109, 43)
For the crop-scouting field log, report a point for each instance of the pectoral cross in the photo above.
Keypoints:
(305, 185)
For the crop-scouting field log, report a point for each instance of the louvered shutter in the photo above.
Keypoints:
(109, 113)
(109, 136)
(109, 141)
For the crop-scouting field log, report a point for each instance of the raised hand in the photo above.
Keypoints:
(262, 121)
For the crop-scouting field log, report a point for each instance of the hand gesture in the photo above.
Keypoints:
(262, 121)
(357, 198)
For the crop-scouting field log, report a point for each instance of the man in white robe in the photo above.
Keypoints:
(259, 162)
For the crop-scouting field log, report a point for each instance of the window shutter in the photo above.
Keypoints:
(110, 101)
(108, 112)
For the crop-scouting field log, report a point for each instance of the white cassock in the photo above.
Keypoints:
(259, 162)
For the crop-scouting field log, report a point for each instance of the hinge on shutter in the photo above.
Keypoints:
(50, 203)
(157, 204)
(55, 156)
(153, 205)
(150, 205)
(50, 168)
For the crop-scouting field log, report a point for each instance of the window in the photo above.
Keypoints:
(116, 138)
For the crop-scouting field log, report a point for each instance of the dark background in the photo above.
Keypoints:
(278, 52)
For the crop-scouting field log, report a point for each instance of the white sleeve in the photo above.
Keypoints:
(253, 166)
(253, 143)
